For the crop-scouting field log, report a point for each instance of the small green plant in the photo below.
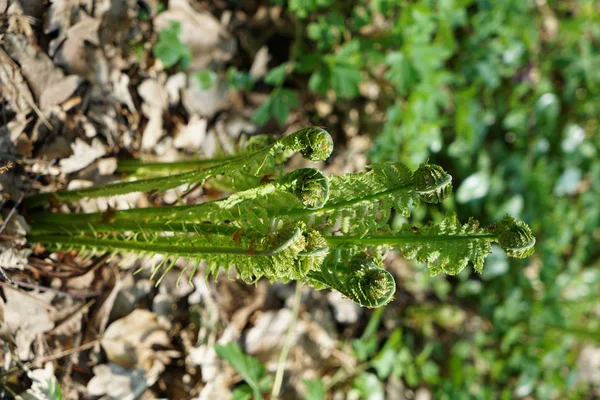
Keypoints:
(330, 232)
(169, 49)
(251, 370)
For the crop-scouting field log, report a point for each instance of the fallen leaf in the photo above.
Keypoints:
(11, 258)
(74, 54)
(192, 135)
(268, 333)
(83, 155)
(131, 341)
(26, 316)
(117, 383)
(206, 103)
(43, 381)
(259, 65)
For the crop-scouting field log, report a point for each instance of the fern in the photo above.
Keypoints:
(313, 143)
(238, 180)
(331, 232)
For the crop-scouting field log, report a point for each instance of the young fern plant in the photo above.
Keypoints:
(331, 232)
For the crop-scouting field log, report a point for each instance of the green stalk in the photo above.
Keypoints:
(314, 143)
(139, 167)
(307, 185)
(160, 245)
(70, 228)
(347, 203)
(402, 239)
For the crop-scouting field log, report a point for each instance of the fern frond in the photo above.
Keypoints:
(363, 202)
(449, 246)
(289, 254)
(302, 189)
(313, 143)
(146, 169)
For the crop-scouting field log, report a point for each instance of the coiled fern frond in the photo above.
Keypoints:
(361, 278)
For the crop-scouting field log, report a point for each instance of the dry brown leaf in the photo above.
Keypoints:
(11, 258)
(74, 54)
(191, 136)
(268, 333)
(36, 66)
(83, 155)
(155, 103)
(206, 103)
(117, 383)
(26, 316)
(130, 341)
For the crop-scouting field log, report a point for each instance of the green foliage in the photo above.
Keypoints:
(331, 232)
(252, 371)
(54, 390)
(313, 143)
(278, 106)
(315, 390)
(169, 49)
(239, 80)
(206, 79)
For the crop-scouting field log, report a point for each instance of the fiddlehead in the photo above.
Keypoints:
(432, 183)
(314, 143)
(362, 203)
(361, 279)
(310, 187)
(515, 238)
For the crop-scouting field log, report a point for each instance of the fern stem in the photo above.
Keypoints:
(314, 143)
(403, 239)
(347, 203)
(163, 168)
(78, 227)
(155, 247)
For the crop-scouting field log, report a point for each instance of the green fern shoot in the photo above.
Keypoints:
(332, 232)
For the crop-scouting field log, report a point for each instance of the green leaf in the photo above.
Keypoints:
(262, 115)
(367, 344)
(385, 361)
(315, 390)
(277, 75)
(302, 8)
(251, 370)
(369, 386)
(239, 80)
(166, 53)
(278, 106)
(169, 50)
(206, 79)
(243, 392)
